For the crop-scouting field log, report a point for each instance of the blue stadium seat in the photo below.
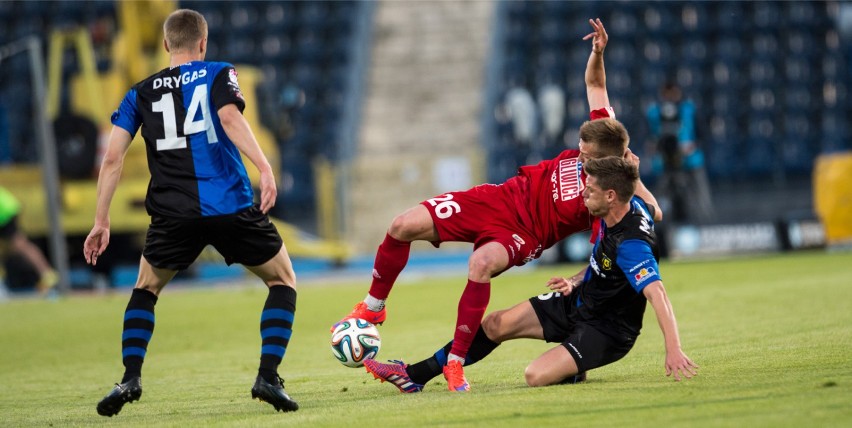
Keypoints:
(620, 55)
(310, 46)
(834, 131)
(759, 157)
(276, 47)
(278, 17)
(798, 96)
(242, 49)
(215, 12)
(729, 17)
(661, 18)
(695, 18)
(764, 45)
(658, 51)
(802, 13)
(762, 72)
(313, 15)
(246, 19)
(622, 25)
(729, 49)
(693, 50)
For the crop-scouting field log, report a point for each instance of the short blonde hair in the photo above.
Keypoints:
(608, 136)
(184, 28)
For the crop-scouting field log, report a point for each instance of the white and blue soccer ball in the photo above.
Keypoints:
(354, 341)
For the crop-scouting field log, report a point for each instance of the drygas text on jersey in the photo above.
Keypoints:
(174, 82)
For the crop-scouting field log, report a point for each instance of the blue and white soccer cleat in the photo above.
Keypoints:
(394, 373)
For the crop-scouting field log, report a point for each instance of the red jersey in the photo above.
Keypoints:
(553, 208)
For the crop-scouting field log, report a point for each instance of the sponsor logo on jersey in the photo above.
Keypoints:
(174, 82)
(567, 183)
(518, 239)
(643, 263)
(644, 274)
(534, 254)
(232, 82)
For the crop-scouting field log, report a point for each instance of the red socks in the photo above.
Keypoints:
(391, 258)
(472, 305)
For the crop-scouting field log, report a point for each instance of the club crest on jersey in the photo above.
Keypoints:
(566, 181)
(232, 82)
(606, 262)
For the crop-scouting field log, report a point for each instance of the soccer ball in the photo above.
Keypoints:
(354, 341)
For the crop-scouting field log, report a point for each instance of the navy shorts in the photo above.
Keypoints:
(592, 346)
(247, 237)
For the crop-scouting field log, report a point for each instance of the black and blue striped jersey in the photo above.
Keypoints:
(196, 170)
(624, 261)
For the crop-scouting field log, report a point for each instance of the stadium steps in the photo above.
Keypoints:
(423, 104)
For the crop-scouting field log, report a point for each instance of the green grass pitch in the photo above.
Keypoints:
(772, 335)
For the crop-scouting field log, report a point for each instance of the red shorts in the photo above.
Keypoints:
(481, 215)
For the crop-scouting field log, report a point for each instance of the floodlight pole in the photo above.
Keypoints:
(49, 166)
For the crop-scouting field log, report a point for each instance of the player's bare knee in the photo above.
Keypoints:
(493, 326)
(482, 267)
(397, 226)
(534, 377)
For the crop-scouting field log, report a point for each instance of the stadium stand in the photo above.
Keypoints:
(301, 44)
(767, 77)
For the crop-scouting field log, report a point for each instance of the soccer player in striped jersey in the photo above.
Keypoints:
(191, 119)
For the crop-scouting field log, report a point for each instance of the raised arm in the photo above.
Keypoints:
(677, 362)
(595, 73)
(239, 131)
(108, 177)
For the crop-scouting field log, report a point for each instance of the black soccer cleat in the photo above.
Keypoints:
(126, 392)
(273, 394)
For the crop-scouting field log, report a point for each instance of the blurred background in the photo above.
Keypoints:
(739, 112)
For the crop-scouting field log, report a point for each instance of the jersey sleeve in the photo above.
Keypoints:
(638, 264)
(226, 89)
(127, 115)
(602, 113)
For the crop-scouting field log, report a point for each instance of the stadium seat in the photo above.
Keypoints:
(766, 16)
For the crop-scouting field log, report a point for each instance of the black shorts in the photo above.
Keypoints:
(9, 229)
(247, 237)
(592, 346)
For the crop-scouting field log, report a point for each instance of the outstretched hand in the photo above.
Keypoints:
(95, 244)
(678, 364)
(562, 285)
(599, 36)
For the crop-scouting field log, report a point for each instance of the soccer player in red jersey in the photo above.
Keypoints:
(509, 224)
